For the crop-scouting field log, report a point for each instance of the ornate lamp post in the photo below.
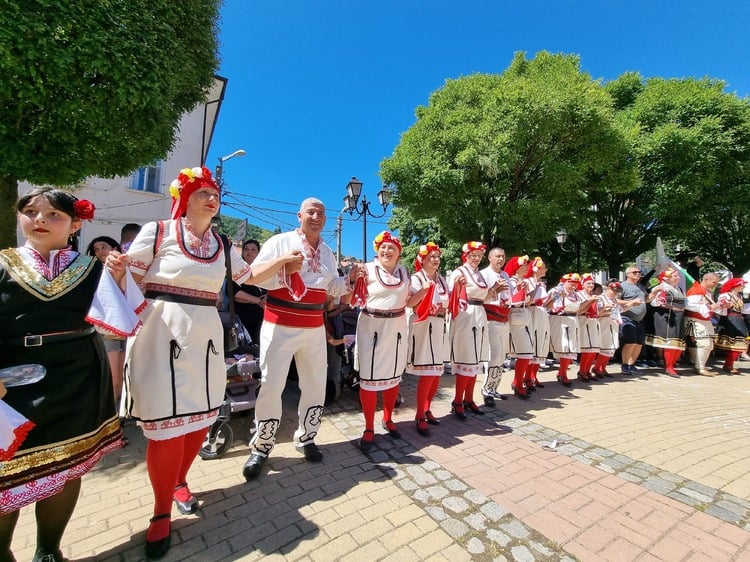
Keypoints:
(562, 237)
(352, 204)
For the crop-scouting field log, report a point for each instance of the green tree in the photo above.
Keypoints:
(693, 154)
(508, 158)
(96, 88)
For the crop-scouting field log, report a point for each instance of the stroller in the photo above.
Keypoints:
(243, 385)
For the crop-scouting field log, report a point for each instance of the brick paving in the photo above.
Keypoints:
(643, 468)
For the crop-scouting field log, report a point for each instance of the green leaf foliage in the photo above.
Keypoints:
(506, 158)
(98, 88)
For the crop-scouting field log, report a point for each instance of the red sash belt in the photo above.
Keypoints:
(696, 315)
(496, 313)
(307, 313)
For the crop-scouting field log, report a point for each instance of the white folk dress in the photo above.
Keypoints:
(174, 367)
(428, 340)
(468, 330)
(381, 330)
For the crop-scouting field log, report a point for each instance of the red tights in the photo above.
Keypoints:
(426, 388)
(464, 390)
(730, 358)
(670, 359)
(168, 463)
(369, 401)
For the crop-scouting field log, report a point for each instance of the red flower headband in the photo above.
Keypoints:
(471, 247)
(386, 236)
(84, 209)
(424, 251)
(188, 181)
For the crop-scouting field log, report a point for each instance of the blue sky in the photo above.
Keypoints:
(321, 90)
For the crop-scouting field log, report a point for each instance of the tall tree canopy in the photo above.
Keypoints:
(507, 158)
(693, 152)
(96, 88)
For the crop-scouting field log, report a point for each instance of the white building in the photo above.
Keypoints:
(144, 196)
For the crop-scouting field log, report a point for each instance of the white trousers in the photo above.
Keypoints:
(278, 344)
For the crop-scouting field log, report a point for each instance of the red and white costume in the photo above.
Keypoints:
(380, 353)
(469, 340)
(609, 326)
(498, 329)
(428, 340)
(294, 327)
(563, 309)
(699, 331)
(182, 277)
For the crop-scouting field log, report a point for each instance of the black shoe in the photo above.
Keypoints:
(502, 396)
(432, 420)
(422, 427)
(473, 408)
(312, 452)
(40, 556)
(392, 430)
(186, 507)
(458, 411)
(157, 549)
(489, 401)
(253, 466)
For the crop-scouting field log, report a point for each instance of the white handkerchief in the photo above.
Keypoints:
(113, 311)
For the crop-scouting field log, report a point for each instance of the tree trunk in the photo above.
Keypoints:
(8, 197)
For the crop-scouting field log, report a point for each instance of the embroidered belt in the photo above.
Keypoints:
(182, 299)
(383, 313)
(441, 315)
(476, 302)
(37, 340)
(292, 304)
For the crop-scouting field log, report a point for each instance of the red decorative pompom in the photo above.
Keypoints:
(84, 209)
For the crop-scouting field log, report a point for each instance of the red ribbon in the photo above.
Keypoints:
(458, 300)
(360, 293)
(425, 305)
(297, 287)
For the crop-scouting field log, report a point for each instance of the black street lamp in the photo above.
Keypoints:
(562, 237)
(353, 190)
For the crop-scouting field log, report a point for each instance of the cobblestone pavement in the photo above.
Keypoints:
(641, 468)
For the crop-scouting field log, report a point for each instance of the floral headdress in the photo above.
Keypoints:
(424, 251)
(471, 247)
(188, 181)
(732, 283)
(386, 236)
(535, 265)
(586, 278)
(84, 209)
(666, 273)
(515, 263)
(573, 278)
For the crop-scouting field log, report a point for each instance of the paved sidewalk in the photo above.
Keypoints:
(644, 468)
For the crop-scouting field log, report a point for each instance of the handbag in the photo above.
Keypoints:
(230, 321)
